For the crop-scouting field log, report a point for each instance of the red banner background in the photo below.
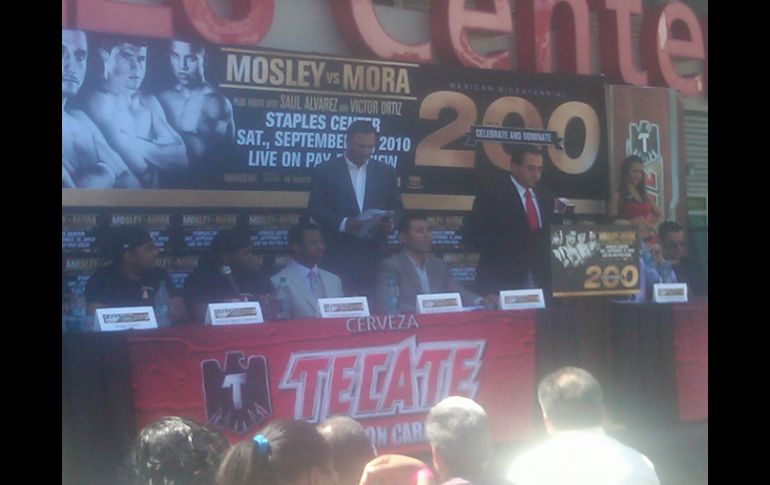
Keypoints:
(435, 352)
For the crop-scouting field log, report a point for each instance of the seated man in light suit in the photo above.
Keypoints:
(307, 282)
(417, 271)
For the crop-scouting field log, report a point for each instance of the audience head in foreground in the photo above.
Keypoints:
(174, 450)
(351, 447)
(460, 441)
(286, 452)
(578, 451)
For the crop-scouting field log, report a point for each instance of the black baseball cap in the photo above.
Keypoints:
(230, 240)
(126, 238)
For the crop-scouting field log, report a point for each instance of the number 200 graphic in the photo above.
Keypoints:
(431, 151)
(610, 277)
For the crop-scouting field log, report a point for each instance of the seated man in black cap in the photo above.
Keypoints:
(228, 273)
(133, 278)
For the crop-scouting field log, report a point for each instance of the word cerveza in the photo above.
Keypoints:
(381, 323)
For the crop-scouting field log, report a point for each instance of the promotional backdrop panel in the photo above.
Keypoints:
(386, 372)
(645, 122)
(169, 114)
(590, 260)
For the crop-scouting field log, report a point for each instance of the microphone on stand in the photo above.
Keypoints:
(228, 274)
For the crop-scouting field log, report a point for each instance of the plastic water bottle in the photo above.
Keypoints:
(391, 301)
(530, 283)
(282, 300)
(646, 255)
(77, 318)
(666, 272)
(161, 305)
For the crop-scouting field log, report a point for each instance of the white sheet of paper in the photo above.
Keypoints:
(369, 220)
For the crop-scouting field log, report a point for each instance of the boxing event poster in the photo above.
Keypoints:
(589, 260)
(169, 114)
(471, 119)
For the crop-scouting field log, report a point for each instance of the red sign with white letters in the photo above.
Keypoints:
(384, 371)
(668, 32)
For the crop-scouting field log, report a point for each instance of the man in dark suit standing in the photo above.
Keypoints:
(341, 190)
(510, 225)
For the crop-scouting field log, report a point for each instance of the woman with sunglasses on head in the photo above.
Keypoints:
(631, 201)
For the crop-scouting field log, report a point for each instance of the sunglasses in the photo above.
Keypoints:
(676, 244)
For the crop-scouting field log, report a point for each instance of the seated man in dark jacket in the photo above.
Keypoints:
(688, 270)
(227, 273)
(133, 278)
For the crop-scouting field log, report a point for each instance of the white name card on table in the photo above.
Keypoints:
(522, 299)
(126, 318)
(669, 293)
(234, 313)
(439, 303)
(351, 306)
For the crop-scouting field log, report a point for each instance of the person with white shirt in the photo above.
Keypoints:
(510, 224)
(578, 451)
(414, 270)
(341, 190)
(306, 281)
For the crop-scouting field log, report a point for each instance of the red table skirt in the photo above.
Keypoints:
(691, 359)
(386, 372)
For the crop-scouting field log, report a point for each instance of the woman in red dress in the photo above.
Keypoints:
(631, 200)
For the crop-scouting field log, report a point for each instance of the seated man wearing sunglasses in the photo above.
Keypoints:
(674, 245)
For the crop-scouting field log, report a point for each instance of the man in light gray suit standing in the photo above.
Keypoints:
(416, 271)
(305, 280)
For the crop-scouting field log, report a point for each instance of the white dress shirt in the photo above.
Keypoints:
(358, 179)
(582, 457)
(520, 188)
(304, 272)
(422, 274)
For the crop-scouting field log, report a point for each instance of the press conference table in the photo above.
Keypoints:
(652, 361)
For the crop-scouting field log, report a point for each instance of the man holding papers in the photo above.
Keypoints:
(415, 271)
(356, 202)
